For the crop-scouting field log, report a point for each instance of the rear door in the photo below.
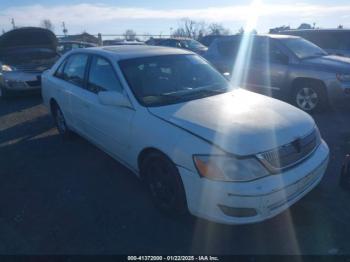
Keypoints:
(74, 76)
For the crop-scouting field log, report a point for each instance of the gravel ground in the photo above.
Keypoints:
(68, 197)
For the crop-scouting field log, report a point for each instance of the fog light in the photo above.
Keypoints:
(238, 211)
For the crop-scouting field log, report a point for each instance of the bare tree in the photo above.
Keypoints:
(190, 28)
(46, 23)
(217, 29)
(130, 35)
(179, 32)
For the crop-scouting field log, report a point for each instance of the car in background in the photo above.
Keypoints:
(153, 41)
(121, 42)
(181, 42)
(221, 153)
(208, 39)
(334, 41)
(65, 46)
(24, 54)
(287, 67)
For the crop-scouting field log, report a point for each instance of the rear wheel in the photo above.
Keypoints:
(164, 183)
(60, 121)
(310, 97)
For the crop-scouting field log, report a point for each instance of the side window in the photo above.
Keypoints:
(59, 71)
(260, 49)
(74, 71)
(276, 55)
(102, 76)
(265, 50)
(228, 48)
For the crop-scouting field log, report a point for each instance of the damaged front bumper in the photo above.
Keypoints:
(20, 81)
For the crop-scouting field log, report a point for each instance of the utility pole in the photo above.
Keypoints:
(13, 23)
(65, 31)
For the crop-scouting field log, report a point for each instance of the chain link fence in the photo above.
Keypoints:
(101, 39)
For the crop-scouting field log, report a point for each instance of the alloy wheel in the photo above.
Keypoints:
(307, 99)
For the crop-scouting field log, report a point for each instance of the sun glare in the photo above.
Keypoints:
(239, 76)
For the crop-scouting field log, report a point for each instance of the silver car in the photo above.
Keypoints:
(334, 41)
(24, 54)
(287, 67)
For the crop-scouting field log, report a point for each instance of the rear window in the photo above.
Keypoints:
(327, 40)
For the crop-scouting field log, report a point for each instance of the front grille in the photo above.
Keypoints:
(33, 83)
(288, 155)
(33, 68)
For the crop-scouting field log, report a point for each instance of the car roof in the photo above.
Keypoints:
(273, 36)
(317, 30)
(121, 52)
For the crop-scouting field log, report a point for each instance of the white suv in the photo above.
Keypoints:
(227, 155)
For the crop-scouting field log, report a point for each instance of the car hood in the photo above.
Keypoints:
(338, 64)
(200, 50)
(28, 37)
(239, 122)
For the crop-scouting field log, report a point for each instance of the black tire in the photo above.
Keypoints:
(60, 122)
(310, 97)
(164, 183)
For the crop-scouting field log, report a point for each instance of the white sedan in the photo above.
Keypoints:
(221, 153)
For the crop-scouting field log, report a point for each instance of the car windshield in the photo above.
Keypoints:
(302, 48)
(193, 44)
(169, 79)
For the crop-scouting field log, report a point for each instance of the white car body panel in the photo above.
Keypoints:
(238, 122)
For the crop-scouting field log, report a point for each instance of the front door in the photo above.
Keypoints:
(108, 126)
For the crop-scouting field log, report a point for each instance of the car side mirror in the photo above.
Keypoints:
(227, 75)
(113, 98)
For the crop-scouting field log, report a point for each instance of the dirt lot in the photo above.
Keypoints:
(69, 197)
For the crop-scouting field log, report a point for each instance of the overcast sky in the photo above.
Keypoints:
(158, 16)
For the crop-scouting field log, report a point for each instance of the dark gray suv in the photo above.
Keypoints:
(287, 67)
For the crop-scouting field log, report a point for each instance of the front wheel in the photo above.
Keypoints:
(164, 183)
(310, 97)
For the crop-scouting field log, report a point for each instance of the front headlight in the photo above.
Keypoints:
(227, 168)
(343, 77)
(7, 68)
